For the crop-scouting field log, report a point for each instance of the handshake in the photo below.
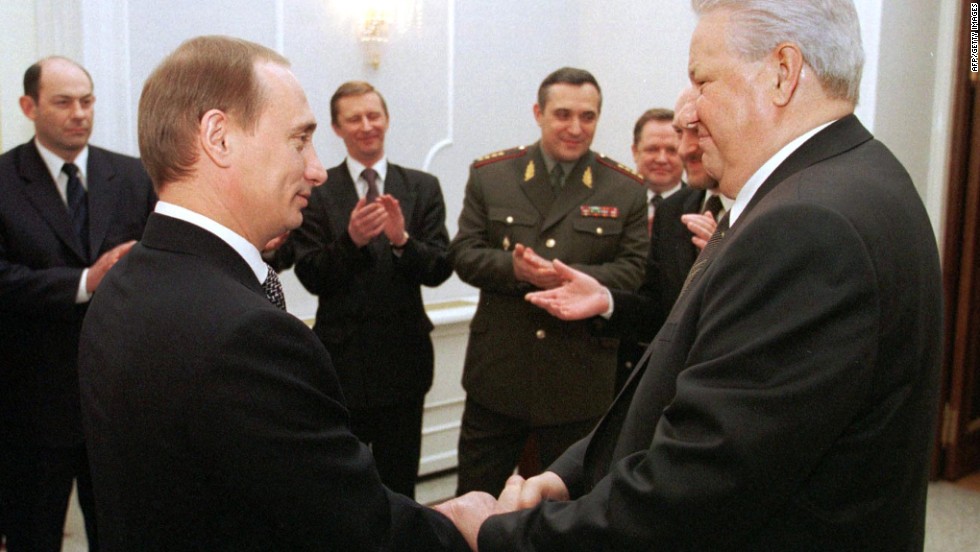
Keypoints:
(469, 511)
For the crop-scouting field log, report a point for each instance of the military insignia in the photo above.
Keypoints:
(619, 167)
(506, 243)
(587, 177)
(599, 211)
(500, 156)
(529, 171)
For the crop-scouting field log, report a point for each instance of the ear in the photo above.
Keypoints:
(538, 114)
(336, 130)
(215, 137)
(788, 60)
(28, 106)
(636, 153)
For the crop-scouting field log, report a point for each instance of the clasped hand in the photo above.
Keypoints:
(370, 220)
(469, 511)
(534, 269)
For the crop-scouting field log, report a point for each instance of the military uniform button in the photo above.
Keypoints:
(550, 243)
(510, 220)
(540, 334)
(598, 230)
(629, 365)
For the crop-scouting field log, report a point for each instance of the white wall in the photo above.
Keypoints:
(463, 82)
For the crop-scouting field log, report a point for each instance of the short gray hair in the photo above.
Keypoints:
(827, 31)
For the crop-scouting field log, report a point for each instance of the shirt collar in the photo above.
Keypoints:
(355, 168)
(54, 163)
(665, 195)
(243, 247)
(765, 171)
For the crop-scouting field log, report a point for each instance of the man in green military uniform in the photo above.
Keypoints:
(527, 372)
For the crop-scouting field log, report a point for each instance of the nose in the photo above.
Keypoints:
(365, 124)
(78, 110)
(314, 173)
(575, 126)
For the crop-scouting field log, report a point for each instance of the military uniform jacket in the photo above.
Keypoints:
(521, 361)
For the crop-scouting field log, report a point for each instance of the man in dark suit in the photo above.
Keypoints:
(365, 248)
(789, 399)
(527, 373)
(68, 212)
(656, 152)
(215, 418)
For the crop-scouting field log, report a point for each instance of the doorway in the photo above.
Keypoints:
(958, 438)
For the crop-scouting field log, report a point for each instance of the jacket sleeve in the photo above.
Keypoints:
(313, 477)
(425, 257)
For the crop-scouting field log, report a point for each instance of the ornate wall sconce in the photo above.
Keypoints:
(377, 20)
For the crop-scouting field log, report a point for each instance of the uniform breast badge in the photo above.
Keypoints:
(529, 171)
(587, 177)
(506, 243)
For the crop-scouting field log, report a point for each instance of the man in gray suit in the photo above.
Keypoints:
(527, 372)
(789, 400)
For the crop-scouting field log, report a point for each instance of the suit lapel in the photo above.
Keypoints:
(42, 192)
(342, 194)
(693, 202)
(397, 186)
(577, 190)
(102, 197)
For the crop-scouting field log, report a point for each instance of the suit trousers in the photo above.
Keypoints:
(394, 434)
(490, 445)
(38, 501)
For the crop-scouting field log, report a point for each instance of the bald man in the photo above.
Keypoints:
(69, 212)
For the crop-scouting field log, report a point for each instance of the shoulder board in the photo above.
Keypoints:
(618, 167)
(501, 155)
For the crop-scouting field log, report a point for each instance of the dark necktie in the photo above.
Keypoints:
(707, 253)
(273, 289)
(371, 177)
(713, 206)
(557, 177)
(655, 202)
(77, 205)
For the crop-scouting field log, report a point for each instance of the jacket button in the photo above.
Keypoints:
(598, 230)
(629, 365)
(510, 220)
(550, 243)
(540, 334)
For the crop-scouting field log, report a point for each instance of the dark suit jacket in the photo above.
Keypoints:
(520, 360)
(215, 420)
(41, 263)
(637, 316)
(370, 314)
(789, 399)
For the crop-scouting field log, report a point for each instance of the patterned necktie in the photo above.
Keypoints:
(654, 202)
(273, 289)
(713, 206)
(77, 205)
(371, 177)
(706, 254)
